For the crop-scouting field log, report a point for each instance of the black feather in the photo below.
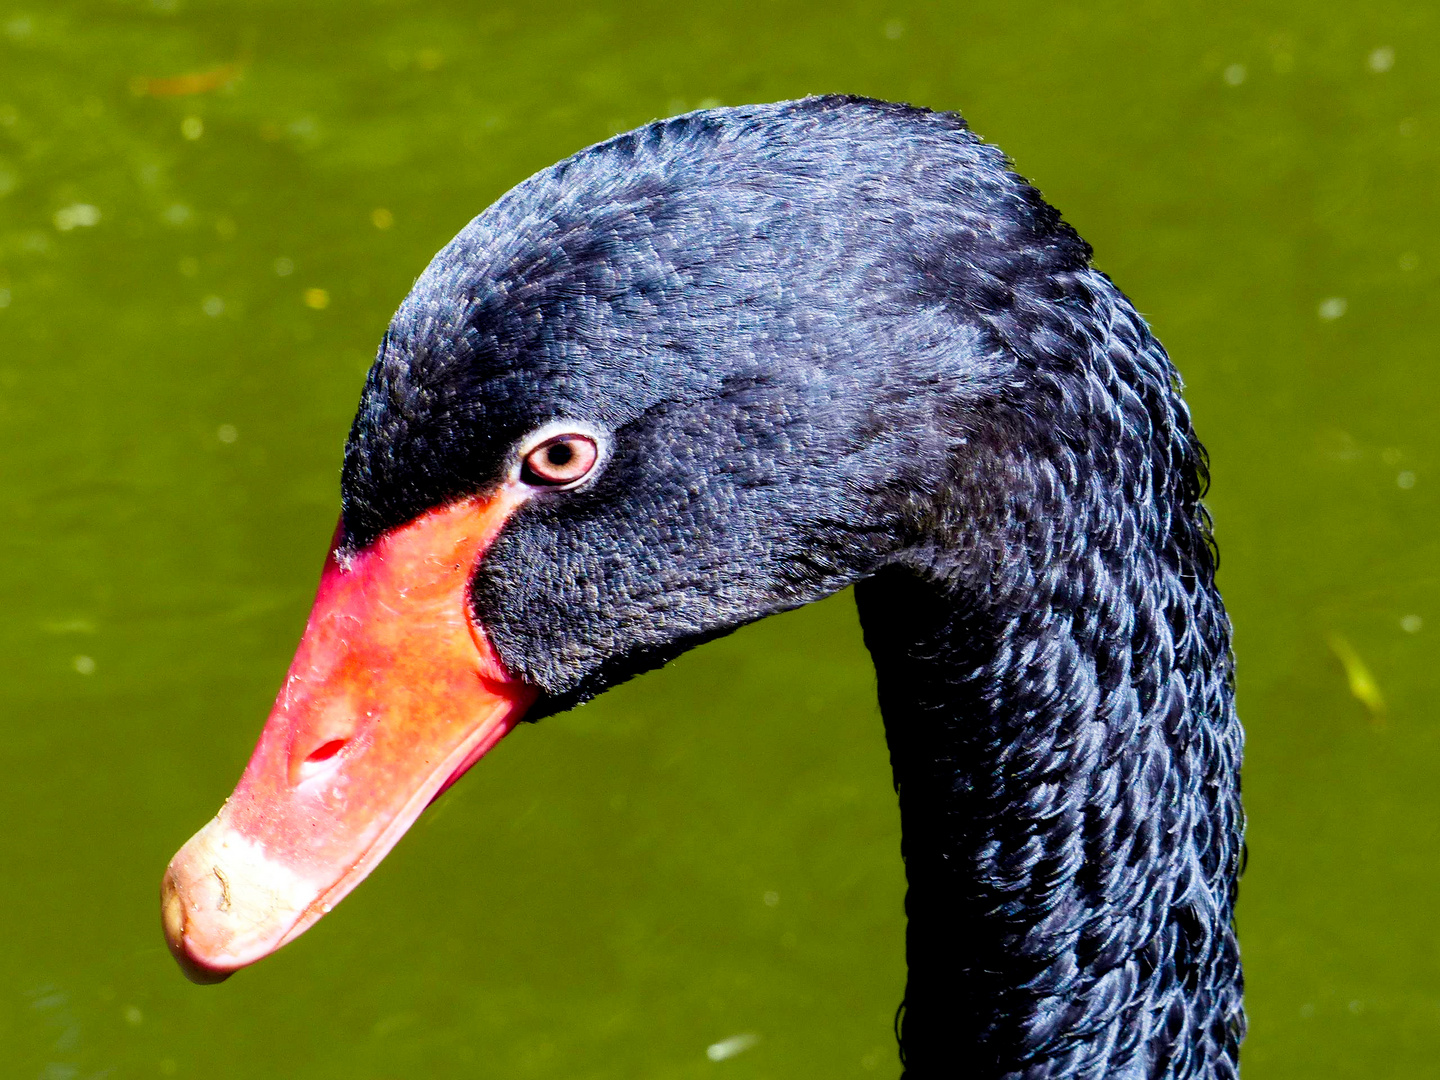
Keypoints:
(840, 341)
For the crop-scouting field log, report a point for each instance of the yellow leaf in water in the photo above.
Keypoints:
(198, 82)
(1362, 684)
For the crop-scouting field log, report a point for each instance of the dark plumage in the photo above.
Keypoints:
(838, 341)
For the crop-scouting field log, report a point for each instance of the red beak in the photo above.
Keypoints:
(393, 693)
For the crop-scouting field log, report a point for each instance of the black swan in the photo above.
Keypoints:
(723, 366)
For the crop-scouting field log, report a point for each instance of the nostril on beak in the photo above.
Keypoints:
(318, 747)
(325, 751)
(321, 759)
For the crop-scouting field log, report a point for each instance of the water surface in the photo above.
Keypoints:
(191, 287)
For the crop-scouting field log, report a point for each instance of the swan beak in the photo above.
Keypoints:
(394, 692)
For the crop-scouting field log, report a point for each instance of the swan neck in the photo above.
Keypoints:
(1066, 756)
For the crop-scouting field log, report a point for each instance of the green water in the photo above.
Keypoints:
(711, 851)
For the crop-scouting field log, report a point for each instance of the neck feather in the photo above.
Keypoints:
(1058, 701)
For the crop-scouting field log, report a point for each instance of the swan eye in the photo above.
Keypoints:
(564, 459)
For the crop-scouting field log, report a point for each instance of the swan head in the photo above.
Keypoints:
(713, 369)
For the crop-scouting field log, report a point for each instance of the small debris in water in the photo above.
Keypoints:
(213, 306)
(284, 267)
(77, 216)
(227, 433)
(49, 998)
(894, 29)
(382, 218)
(84, 665)
(192, 127)
(1382, 59)
(728, 1048)
(1412, 624)
(1406, 480)
(317, 299)
(1235, 74)
(133, 1016)
(1363, 686)
(69, 626)
(306, 129)
(1332, 308)
(198, 82)
(771, 898)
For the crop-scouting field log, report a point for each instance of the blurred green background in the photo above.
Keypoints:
(194, 273)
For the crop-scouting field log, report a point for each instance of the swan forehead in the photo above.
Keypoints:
(785, 246)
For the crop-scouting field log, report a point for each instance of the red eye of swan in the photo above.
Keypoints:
(561, 460)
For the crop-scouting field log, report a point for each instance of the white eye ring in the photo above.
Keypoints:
(535, 475)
